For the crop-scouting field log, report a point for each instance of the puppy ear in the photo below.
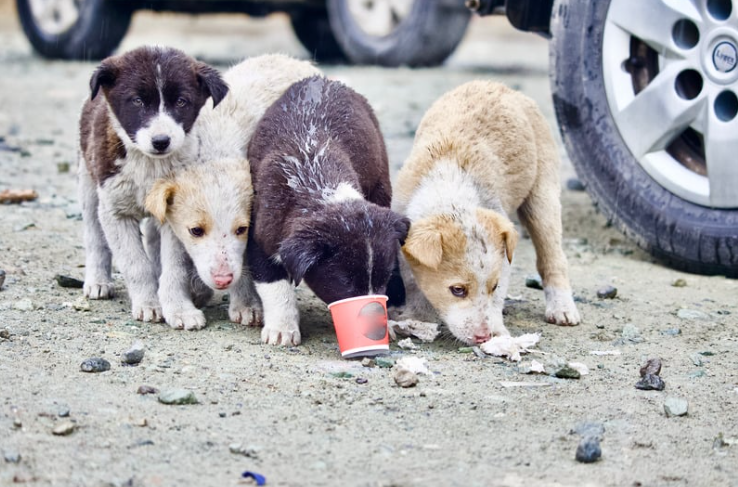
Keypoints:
(211, 83)
(402, 227)
(299, 252)
(160, 198)
(499, 226)
(104, 76)
(424, 244)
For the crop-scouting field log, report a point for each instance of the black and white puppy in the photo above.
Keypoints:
(135, 129)
(321, 209)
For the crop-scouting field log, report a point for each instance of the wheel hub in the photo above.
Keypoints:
(724, 56)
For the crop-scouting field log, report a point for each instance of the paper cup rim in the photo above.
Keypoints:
(357, 298)
(382, 347)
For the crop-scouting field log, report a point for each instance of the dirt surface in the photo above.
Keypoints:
(297, 418)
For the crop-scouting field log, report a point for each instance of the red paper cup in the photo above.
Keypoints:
(361, 325)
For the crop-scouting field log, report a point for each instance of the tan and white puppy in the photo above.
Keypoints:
(205, 210)
(481, 152)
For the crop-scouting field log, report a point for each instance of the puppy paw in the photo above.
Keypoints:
(193, 319)
(246, 315)
(560, 307)
(148, 311)
(98, 290)
(288, 335)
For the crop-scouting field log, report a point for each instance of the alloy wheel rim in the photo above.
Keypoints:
(55, 17)
(379, 18)
(671, 87)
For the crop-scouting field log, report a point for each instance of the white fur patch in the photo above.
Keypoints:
(161, 125)
(343, 192)
(281, 315)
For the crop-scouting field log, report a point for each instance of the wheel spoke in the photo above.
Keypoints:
(652, 20)
(657, 114)
(721, 153)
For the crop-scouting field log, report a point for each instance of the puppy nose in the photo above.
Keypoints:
(160, 142)
(223, 280)
(482, 337)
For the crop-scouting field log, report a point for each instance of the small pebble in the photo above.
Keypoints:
(12, 456)
(63, 411)
(17, 423)
(64, 428)
(632, 333)
(5, 334)
(650, 382)
(586, 430)
(465, 349)
(368, 362)
(671, 331)
(675, 406)
(69, 282)
(534, 282)
(607, 292)
(692, 314)
(24, 305)
(177, 397)
(679, 282)
(2, 278)
(567, 372)
(653, 366)
(222, 414)
(589, 450)
(95, 364)
(81, 304)
(574, 184)
(62, 167)
(384, 362)
(134, 355)
(361, 380)
(404, 377)
(146, 390)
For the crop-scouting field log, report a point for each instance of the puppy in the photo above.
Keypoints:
(481, 152)
(134, 129)
(205, 210)
(321, 211)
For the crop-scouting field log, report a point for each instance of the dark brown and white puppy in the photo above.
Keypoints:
(133, 130)
(322, 191)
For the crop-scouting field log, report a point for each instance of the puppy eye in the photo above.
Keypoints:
(459, 291)
(197, 232)
(181, 102)
(137, 102)
(241, 230)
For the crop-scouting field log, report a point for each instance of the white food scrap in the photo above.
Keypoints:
(417, 365)
(510, 347)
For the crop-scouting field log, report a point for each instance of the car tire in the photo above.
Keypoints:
(313, 30)
(426, 36)
(99, 27)
(689, 236)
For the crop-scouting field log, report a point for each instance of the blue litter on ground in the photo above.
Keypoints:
(260, 479)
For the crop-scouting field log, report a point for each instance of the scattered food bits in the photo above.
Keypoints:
(407, 344)
(510, 347)
(679, 282)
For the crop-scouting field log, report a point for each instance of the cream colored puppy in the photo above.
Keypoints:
(482, 152)
(205, 210)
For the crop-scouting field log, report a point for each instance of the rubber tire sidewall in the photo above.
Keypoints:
(687, 236)
(426, 37)
(313, 30)
(96, 34)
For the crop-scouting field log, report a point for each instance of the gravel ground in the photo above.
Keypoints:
(303, 416)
